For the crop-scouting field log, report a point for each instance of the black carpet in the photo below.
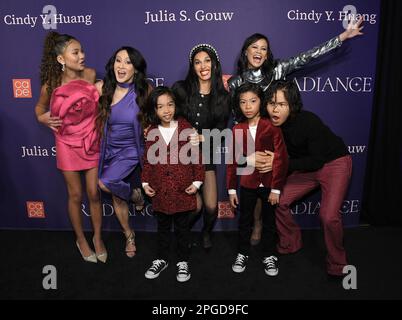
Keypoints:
(375, 252)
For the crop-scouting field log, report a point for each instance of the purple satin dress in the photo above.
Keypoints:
(122, 148)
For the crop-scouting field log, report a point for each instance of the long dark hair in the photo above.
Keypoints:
(291, 93)
(242, 62)
(152, 103)
(219, 103)
(141, 86)
(51, 69)
(249, 87)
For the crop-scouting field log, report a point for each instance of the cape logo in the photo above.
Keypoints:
(22, 88)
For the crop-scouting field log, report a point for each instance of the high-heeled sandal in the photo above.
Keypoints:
(138, 199)
(90, 258)
(102, 257)
(130, 240)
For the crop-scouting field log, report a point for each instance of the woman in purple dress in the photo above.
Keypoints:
(124, 91)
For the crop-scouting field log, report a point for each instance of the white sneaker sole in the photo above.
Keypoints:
(272, 273)
(155, 275)
(183, 279)
(238, 270)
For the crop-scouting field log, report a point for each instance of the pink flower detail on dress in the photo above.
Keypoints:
(77, 142)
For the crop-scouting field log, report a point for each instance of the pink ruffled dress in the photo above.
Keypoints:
(77, 143)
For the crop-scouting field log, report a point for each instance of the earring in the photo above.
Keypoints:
(63, 67)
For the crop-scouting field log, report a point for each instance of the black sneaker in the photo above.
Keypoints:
(270, 265)
(157, 267)
(240, 264)
(183, 271)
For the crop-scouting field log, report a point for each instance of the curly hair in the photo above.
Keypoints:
(141, 86)
(51, 69)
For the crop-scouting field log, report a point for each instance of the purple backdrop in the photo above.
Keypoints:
(339, 87)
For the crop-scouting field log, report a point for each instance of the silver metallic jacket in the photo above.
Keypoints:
(284, 67)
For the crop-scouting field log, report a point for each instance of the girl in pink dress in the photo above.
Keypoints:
(68, 89)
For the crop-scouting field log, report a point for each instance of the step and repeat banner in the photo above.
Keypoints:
(339, 87)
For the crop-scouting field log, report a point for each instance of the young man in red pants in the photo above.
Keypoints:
(317, 158)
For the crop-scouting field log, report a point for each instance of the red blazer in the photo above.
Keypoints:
(171, 179)
(268, 137)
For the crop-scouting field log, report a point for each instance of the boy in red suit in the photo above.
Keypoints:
(254, 130)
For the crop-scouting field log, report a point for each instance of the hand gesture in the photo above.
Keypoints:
(196, 138)
(264, 161)
(354, 29)
(273, 198)
(234, 201)
(52, 122)
(192, 189)
(149, 191)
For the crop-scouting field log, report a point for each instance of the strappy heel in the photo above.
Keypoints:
(130, 241)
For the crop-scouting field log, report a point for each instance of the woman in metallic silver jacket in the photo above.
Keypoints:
(256, 64)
